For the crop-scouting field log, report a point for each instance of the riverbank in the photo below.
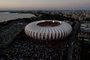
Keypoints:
(6, 16)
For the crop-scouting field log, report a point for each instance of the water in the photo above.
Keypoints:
(5, 16)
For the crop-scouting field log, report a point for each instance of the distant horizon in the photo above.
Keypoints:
(37, 9)
(46, 9)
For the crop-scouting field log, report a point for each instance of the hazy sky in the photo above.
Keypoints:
(29, 4)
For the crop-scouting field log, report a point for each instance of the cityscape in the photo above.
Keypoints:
(44, 34)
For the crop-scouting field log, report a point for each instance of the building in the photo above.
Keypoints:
(48, 29)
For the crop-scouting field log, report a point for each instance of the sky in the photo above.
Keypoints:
(44, 4)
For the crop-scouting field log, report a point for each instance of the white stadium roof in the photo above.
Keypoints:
(48, 29)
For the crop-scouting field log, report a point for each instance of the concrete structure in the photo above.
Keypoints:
(48, 29)
(85, 27)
